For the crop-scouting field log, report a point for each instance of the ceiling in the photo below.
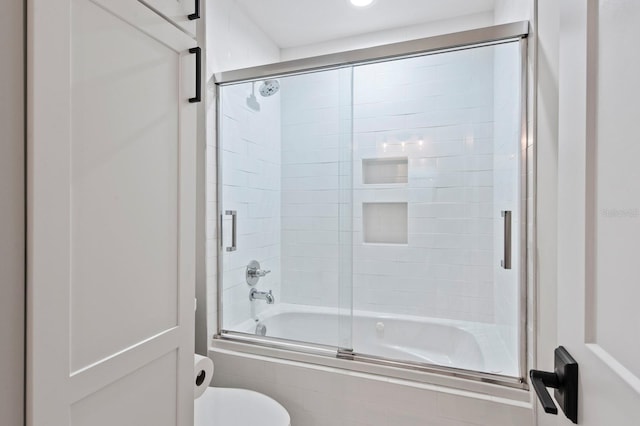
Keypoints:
(291, 23)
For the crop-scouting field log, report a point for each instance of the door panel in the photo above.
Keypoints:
(617, 203)
(144, 397)
(598, 202)
(177, 11)
(111, 215)
(123, 214)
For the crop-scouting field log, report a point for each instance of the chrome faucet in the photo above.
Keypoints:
(262, 295)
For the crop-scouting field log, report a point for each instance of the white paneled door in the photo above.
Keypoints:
(599, 207)
(111, 215)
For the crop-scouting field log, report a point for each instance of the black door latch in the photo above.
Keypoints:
(565, 382)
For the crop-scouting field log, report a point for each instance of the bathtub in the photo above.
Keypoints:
(457, 344)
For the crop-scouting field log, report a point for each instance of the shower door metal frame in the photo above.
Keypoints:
(293, 350)
(440, 43)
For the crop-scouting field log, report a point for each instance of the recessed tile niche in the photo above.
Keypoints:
(385, 223)
(385, 170)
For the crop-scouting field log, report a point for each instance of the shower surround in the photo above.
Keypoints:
(379, 188)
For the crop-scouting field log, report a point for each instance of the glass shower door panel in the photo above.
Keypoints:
(316, 137)
(437, 158)
(250, 212)
(283, 161)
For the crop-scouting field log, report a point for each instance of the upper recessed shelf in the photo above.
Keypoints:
(385, 171)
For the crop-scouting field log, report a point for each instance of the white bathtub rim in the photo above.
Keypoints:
(488, 336)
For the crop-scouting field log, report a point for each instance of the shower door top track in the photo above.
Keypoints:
(452, 41)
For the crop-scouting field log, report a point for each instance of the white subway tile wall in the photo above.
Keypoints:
(438, 112)
(316, 188)
(458, 133)
(251, 175)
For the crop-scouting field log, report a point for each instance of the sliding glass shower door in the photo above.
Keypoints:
(285, 185)
(376, 211)
(437, 180)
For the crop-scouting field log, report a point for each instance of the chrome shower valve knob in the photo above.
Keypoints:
(258, 272)
(254, 272)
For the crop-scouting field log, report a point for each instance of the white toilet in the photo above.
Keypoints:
(238, 407)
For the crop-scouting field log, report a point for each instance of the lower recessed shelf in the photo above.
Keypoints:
(385, 223)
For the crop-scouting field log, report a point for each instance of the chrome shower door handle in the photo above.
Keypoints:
(234, 229)
(506, 259)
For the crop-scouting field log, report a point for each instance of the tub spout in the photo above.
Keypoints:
(262, 295)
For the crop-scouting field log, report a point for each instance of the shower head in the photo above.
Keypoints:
(269, 88)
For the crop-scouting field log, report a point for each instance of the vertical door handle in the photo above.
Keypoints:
(198, 53)
(196, 13)
(506, 259)
(234, 229)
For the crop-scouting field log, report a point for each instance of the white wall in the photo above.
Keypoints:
(233, 41)
(412, 32)
(11, 213)
(505, 11)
